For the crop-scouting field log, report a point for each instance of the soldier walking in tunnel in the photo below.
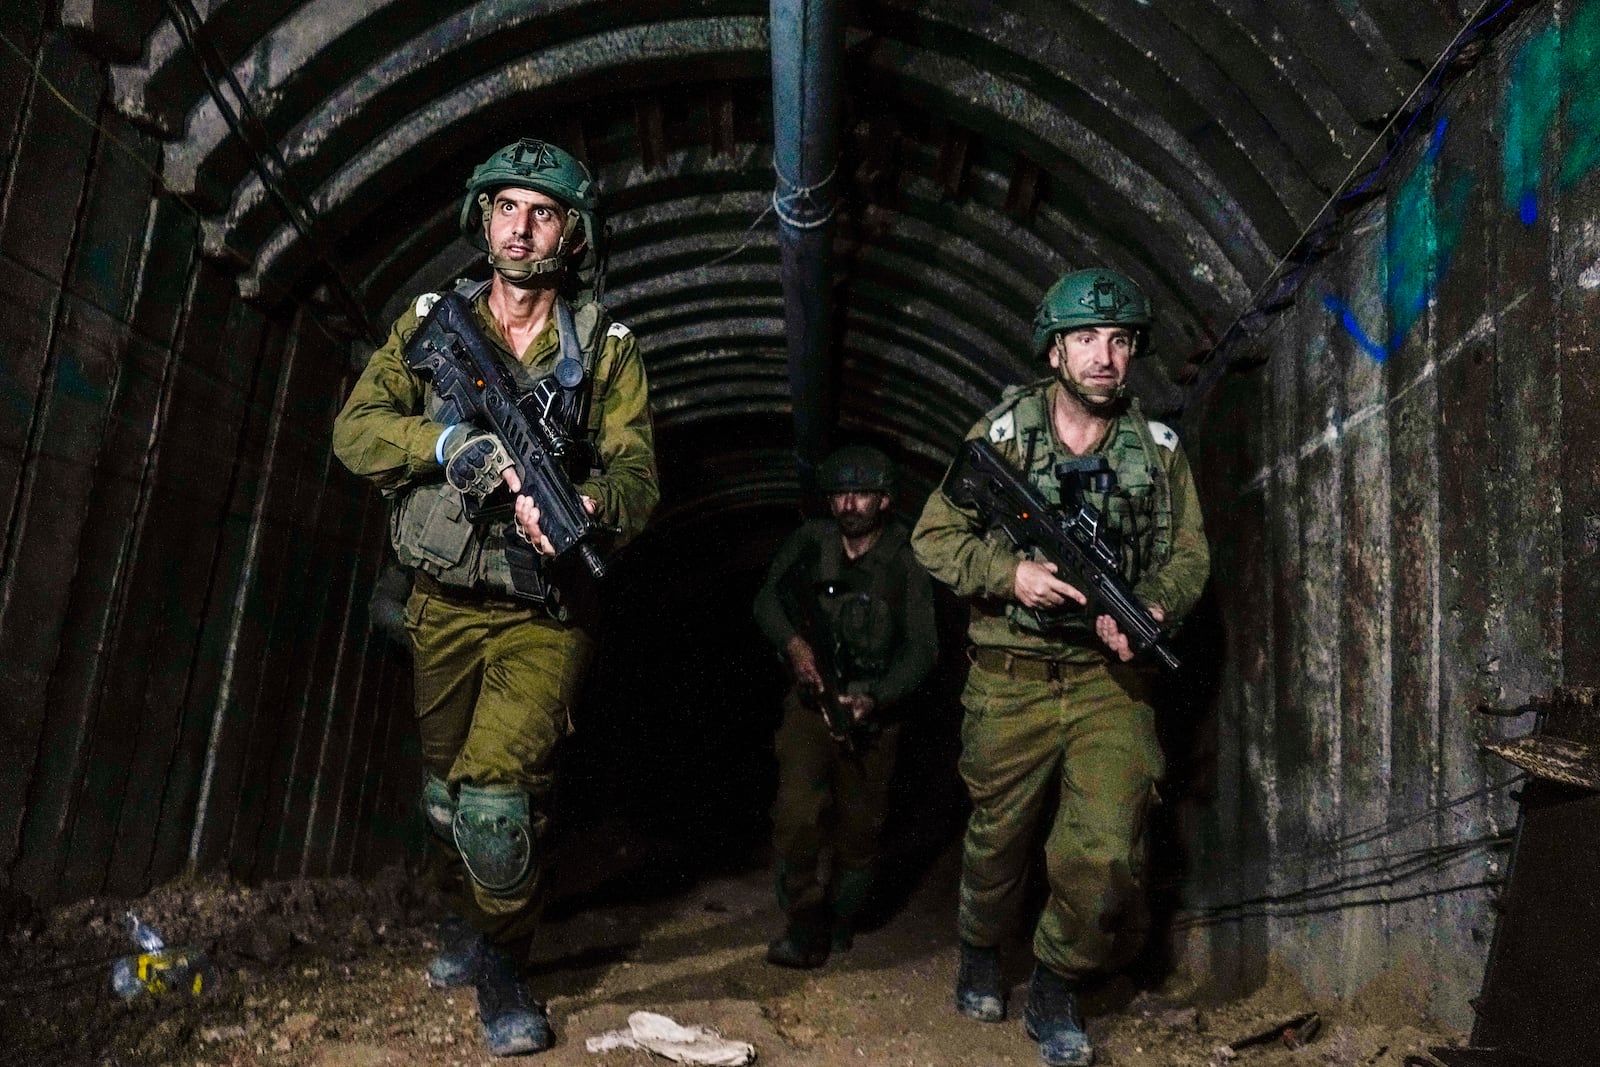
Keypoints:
(1059, 728)
(496, 669)
(849, 608)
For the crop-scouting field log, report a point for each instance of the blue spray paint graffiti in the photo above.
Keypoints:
(1352, 326)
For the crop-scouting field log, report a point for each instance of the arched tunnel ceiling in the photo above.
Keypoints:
(988, 145)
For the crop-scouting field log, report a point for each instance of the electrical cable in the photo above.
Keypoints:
(1386, 830)
(1433, 85)
(1382, 870)
(1344, 905)
(743, 244)
(314, 313)
(1221, 360)
(265, 159)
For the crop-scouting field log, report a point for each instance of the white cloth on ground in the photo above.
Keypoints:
(680, 1044)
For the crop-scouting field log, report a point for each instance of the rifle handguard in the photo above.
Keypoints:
(450, 350)
(981, 478)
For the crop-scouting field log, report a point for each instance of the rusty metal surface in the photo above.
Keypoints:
(134, 379)
(1404, 469)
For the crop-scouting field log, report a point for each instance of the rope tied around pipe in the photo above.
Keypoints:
(819, 204)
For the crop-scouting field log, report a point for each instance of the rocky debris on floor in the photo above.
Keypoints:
(328, 973)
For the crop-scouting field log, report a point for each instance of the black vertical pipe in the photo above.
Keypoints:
(807, 49)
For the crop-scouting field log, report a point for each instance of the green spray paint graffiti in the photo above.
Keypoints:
(1532, 100)
(1554, 74)
(1554, 69)
(1424, 229)
(1580, 87)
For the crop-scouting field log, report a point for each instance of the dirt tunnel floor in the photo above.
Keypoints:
(328, 973)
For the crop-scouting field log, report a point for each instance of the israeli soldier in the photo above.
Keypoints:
(496, 671)
(850, 610)
(1059, 726)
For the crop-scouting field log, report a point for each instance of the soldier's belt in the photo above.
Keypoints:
(1024, 668)
(487, 597)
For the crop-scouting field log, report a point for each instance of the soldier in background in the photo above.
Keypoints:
(851, 612)
(496, 673)
(1059, 728)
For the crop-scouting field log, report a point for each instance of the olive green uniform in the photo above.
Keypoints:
(495, 676)
(879, 607)
(1050, 714)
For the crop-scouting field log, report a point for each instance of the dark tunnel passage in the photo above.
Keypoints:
(1370, 233)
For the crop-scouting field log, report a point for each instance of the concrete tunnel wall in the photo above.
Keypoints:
(1394, 472)
(187, 673)
(1403, 493)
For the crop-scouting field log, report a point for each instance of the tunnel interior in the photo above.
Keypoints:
(1367, 227)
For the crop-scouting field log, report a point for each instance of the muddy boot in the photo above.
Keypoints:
(978, 994)
(1052, 1019)
(804, 943)
(513, 1022)
(457, 959)
(850, 891)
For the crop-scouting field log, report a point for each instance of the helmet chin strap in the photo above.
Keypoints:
(1101, 404)
(1097, 403)
(520, 273)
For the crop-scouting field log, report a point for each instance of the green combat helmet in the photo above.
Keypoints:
(1098, 296)
(545, 168)
(1095, 297)
(856, 469)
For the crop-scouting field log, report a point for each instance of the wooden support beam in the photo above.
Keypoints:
(652, 132)
(952, 167)
(573, 139)
(1022, 195)
(719, 113)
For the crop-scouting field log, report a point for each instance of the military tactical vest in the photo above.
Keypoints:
(852, 615)
(428, 524)
(1139, 510)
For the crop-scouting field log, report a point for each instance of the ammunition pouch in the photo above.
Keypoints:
(429, 528)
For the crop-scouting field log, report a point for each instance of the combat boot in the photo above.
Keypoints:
(457, 959)
(804, 943)
(513, 1022)
(1052, 1019)
(851, 887)
(978, 994)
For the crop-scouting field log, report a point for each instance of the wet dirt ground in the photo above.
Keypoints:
(329, 973)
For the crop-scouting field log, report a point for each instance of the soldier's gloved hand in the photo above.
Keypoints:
(475, 462)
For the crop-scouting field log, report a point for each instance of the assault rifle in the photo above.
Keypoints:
(450, 351)
(1070, 537)
(799, 600)
(842, 724)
